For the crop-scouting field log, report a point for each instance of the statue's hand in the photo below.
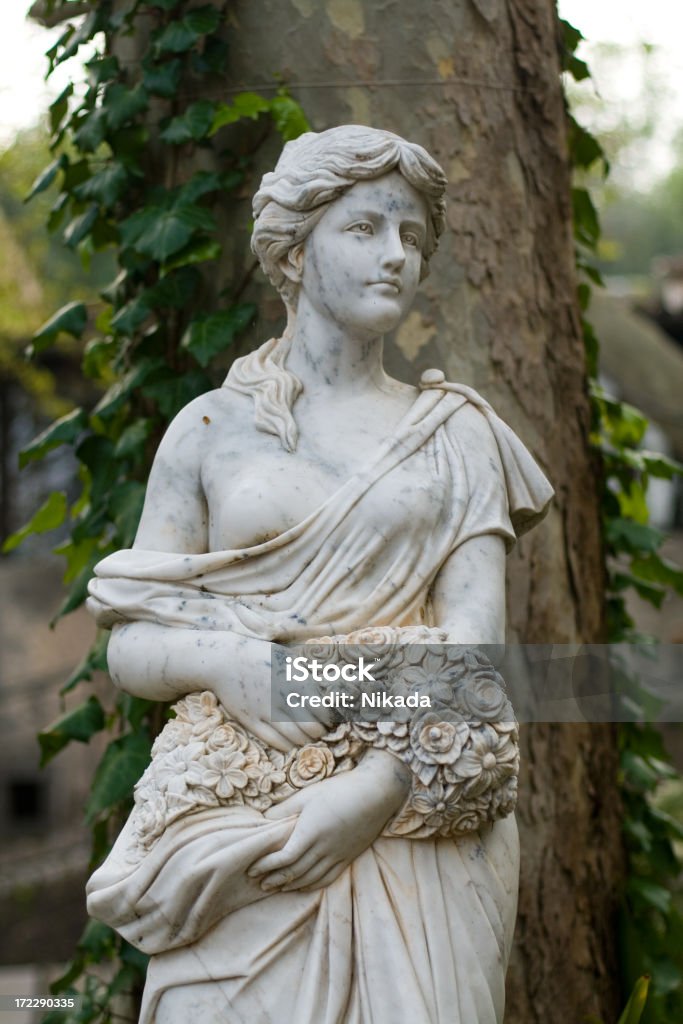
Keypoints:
(339, 819)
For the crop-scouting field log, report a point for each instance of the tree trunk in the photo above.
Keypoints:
(477, 82)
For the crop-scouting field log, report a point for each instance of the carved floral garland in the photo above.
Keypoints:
(463, 751)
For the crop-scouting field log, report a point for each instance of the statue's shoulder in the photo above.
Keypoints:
(469, 421)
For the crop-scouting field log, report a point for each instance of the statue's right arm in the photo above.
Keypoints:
(159, 662)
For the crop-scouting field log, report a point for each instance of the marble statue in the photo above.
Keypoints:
(317, 872)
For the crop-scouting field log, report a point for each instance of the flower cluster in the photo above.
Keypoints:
(201, 759)
(463, 749)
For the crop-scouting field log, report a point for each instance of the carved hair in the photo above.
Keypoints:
(316, 169)
(312, 172)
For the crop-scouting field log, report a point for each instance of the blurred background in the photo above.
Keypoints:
(633, 104)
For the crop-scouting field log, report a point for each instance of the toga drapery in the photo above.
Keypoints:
(414, 930)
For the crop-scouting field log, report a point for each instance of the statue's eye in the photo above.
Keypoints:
(363, 227)
(410, 238)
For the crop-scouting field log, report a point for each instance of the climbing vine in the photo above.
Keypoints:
(146, 346)
(651, 924)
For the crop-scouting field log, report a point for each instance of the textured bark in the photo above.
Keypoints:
(477, 83)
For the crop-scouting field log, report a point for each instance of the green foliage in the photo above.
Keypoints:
(651, 929)
(147, 344)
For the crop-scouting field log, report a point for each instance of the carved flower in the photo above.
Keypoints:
(504, 799)
(310, 764)
(172, 769)
(468, 821)
(201, 711)
(488, 760)
(220, 771)
(324, 650)
(482, 697)
(228, 737)
(435, 803)
(150, 813)
(438, 737)
(174, 734)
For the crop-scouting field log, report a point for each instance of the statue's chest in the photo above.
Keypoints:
(259, 491)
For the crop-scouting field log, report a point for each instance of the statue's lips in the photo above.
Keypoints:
(394, 287)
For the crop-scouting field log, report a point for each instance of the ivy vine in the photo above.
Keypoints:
(651, 923)
(146, 347)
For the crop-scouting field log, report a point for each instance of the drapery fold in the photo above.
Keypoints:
(414, 930)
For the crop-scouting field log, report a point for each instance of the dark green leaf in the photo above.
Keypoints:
(174, 290)
(125, 506)
(181, 35)
(134, 709)
(119, 392)
(59, 107)
(70, 319)
(122, 104)
(80, 226)
(102, 69)
(46, 177)
(91, 130)
(636, 538)
(172, 392)
(197, 251)
(200, 184)
(49, 516)
(163, 79)
(656, 569)
(172, 229)
(586, 224)
(94, 661)
(106, 185)
(211, 59)
(660, 465)
(130, 317)
(98, 356)
(124, 761)
(79, 724)
(192, 125)
(133, 439)
(63, 431)
(208, 335)
(654, 895)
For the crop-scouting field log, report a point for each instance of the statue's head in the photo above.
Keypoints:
(315, 170)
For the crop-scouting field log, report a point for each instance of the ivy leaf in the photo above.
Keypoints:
(192, 125)
(133, 439)
(208, 335)
(175, 289)
(200, 184)
(180, 35)
(102, 69)
(198, 251)
(163, 79)
(656, 569)
(80, 226)
(91, 130)
(46, 177)
(661, 465)
(65, 430)
(122, 104)
(124, 761)
(650, 893)
(125, 507)
(106, 185)
(131, 316)
(172, 391)
(70, 319)
(586, 223)
(118, 393)
(635, 538)
(245, 104)
(49, 516)
(79, 724)
(289, 118)
(165, 233)
(59, 107)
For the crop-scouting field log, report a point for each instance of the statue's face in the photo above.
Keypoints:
(361, 263)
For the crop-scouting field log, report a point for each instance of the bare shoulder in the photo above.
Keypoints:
(175, 515)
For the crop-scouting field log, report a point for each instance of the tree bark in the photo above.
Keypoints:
(477, 82)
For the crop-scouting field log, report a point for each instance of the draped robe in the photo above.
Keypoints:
(415, 930)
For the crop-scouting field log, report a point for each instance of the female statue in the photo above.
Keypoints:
(271, 868)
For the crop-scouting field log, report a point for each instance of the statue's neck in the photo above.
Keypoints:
(324, 356)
